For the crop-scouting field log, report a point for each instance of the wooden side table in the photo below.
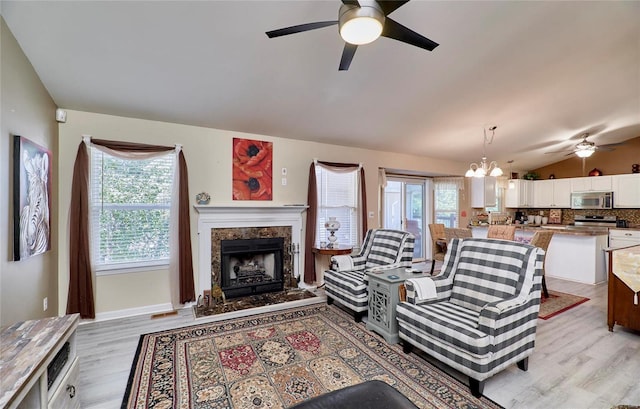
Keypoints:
(333, 251)
(329, 252)
(383, 299)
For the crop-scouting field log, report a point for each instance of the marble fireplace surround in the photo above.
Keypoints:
(241, 221)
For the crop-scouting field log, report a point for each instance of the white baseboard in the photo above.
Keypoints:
(130, 312)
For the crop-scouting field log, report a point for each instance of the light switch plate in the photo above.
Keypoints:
(284, 181)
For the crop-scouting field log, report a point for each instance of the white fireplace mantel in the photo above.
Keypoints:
(217, 217)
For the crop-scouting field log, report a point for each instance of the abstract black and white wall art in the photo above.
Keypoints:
(31, 199)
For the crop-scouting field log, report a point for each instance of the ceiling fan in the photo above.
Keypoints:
(361, 22)
(586, 148)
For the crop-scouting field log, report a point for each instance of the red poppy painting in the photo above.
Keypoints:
(252, 169)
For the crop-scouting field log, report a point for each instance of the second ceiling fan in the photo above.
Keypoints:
(361, 22)
(586, 148)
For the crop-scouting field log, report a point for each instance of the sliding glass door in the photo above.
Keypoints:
(404, 208)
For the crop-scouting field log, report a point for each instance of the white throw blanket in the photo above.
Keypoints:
(425, 288)
(342, 263)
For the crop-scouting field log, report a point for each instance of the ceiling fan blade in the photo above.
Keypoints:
(389, 6)
(351, 3)
(397, 31)
(299, 28)
(562, 151)
(347, 56)
(610, 145)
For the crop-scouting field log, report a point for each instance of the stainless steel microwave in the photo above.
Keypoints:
(592, 200)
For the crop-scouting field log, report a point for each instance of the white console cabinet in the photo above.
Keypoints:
(30, 351)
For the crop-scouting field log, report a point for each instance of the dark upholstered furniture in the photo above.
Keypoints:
(367, 395)
(383, 249)
(479, 315)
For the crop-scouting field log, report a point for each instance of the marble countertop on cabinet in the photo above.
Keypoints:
(24, 348)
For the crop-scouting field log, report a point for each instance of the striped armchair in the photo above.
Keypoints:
(346, 281)
(479, 315)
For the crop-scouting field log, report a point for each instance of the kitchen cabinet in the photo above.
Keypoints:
(592, 183)
(626, 190)
(483, 192)
(519, 193)
(572, 257)
(553, 193)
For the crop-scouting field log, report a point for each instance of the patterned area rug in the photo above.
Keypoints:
(558, 302)
(277, 360)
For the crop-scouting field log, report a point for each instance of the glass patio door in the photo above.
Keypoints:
(404, 205)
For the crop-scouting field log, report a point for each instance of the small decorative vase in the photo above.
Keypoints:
(203, 198)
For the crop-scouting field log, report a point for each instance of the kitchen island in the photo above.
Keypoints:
(574, 255)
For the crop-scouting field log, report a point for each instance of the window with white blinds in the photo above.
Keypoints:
(445, 198)
(338, 197)
(130, 203)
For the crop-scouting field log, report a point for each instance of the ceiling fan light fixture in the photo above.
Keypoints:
(585, 153)
(360, 25)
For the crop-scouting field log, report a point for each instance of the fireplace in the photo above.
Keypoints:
(251, 266)
(240, 222)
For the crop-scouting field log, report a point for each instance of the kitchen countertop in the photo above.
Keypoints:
(562, 229)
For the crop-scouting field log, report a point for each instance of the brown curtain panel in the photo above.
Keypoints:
(187, 291)
(80, 298)
(80, 284)
(312, 216)
(310, 231)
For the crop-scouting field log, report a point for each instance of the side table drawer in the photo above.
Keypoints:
(66, 397)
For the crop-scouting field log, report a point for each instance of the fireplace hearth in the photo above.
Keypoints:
(251, 266)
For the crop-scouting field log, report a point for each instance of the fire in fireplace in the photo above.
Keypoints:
(251, 266)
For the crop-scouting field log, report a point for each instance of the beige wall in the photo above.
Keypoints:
(208, 154)
(26, 110)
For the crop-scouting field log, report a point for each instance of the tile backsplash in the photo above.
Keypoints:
(631, 215)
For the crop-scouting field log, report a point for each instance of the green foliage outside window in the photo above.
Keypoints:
(131, 202)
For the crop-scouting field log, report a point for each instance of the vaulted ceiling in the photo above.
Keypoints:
(542, 72)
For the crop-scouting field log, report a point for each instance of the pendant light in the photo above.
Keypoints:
(484, 168)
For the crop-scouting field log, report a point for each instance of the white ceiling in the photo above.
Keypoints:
(543, 72)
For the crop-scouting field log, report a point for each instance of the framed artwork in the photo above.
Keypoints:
(252, 169)
(31, 198)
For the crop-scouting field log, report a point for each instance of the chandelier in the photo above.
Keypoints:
(484, 168)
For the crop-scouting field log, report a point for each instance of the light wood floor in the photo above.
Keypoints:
(577, 362)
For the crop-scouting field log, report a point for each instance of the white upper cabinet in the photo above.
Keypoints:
(592, 183)
(552, 193)
(626, 190)
(483, 192)
(519, 193)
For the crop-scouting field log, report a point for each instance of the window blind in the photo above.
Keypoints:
(337, 197)
(130, 203)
